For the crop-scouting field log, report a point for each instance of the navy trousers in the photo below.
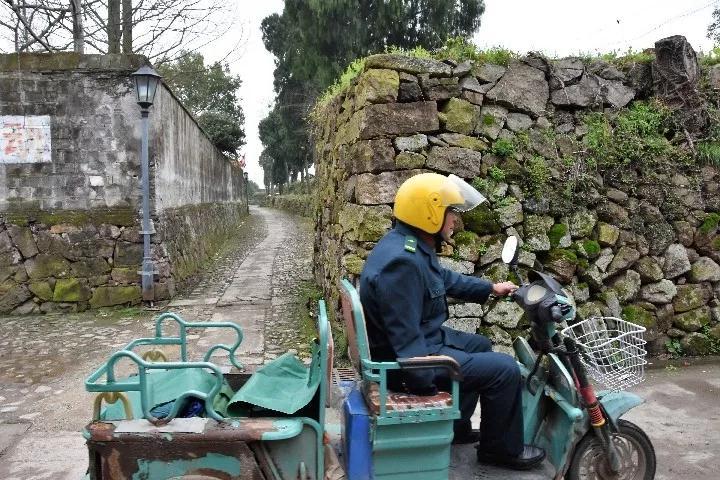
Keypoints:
(495, 378)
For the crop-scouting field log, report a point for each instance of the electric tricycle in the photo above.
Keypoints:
(196, 420)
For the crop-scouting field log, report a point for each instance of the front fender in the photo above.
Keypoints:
(616, 404)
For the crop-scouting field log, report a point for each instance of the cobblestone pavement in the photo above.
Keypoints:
(45, 358)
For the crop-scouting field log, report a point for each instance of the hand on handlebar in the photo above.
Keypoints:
(504, 288)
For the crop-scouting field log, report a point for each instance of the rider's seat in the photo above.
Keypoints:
(411, 434)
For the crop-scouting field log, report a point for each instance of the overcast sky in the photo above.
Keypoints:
(555, 27)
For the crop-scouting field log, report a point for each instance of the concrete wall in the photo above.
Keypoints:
(70, 185)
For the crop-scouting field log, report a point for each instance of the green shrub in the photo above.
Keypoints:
(497, 173)
(351, 72)
(674, 347)
(503, 147)
(538, 174)
(708, 152)
(627, 58)
(637, 137)
(710, 224)
(591, 247)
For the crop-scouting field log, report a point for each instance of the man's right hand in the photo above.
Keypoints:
(503, 289)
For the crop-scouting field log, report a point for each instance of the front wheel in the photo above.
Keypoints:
(637, 456)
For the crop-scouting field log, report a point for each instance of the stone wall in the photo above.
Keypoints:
(630, 228)
(299, 204)
(70, 185)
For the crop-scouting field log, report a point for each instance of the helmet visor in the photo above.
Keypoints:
(471, 197)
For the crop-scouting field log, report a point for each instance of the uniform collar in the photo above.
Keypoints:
(405, 229)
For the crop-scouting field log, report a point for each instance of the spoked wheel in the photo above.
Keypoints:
(637, 456)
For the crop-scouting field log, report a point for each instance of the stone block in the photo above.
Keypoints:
(522, 88)
(24, 240)
(409, 160)
(12, 295)
(690, 296)
(90, 267)
(459, 116)
(42, 290)
(125, 275)
(490, 121)
(374, 189)
(463, 162)
(376, 85)
(364, 223)
(439, 89)
(693, 320)
(127, 253)
(120, 295)
(71, 290)
(397, 119)
(463, 141)
(403, 63)
(47, 265)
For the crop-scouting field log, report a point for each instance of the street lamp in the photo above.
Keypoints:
(146, 82)
(247, 189)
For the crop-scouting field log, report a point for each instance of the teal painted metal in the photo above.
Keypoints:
(377, 372)
(617, 403)
(412, 451)
(407, 444)
(211, 463)
(284, 428)
(553, 417)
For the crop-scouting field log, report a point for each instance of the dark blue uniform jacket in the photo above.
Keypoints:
(403, 297)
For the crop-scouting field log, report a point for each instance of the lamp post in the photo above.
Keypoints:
(146, 82)
(247, 189)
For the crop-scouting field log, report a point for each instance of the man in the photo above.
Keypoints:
(403, 288)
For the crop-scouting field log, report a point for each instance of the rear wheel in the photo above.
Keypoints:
(637, 456)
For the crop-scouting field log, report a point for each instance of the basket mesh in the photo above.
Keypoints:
(613, 350)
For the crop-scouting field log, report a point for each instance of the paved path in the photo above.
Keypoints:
(45, 358)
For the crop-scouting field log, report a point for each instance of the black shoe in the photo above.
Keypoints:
(466, 436)
(529, 458)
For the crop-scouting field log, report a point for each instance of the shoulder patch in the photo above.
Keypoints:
(410, 243)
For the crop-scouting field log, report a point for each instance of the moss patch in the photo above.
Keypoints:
(710, 224)
(638, 315)
(481, 220)
(557, 232)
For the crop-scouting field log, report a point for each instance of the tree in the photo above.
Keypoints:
(158, 29)
(314, 40)
(713, 31)
(210, 95)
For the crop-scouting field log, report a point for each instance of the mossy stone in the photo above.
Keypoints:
(649, 270)
(696, 344)
(481, 220)
(497, 272)
(353, 264)
(636, 314)
(47, 265)
(558, 234)
(71, 290)
(459, 116)
(42, 290)
(582, 223)
(689, 297)
(607, 234)
(109, 296)
(710, 224)
(693, 320)
(365, 223)
(377, 85)
(409, 160)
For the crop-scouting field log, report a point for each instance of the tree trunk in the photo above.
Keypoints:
(78, 34)
(127, 39)
(113, 26)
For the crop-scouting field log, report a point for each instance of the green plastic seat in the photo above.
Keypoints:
(411, 434)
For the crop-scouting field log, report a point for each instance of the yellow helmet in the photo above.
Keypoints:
(421, 200)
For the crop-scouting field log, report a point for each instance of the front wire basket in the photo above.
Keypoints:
(613, 350)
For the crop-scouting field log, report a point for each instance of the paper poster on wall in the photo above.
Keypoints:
(25, 139)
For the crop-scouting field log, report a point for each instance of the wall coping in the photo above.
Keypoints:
(66, 61)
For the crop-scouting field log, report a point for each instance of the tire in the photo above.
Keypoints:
(637, 456)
